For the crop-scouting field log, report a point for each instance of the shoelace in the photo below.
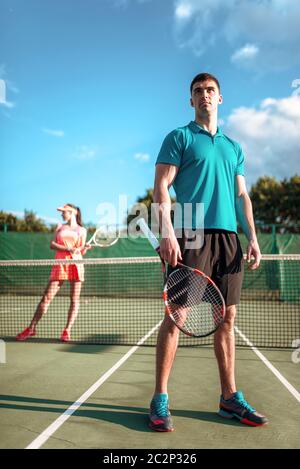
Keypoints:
(242, 402)
(161, 408)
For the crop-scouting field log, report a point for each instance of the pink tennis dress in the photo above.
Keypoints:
(70, 238)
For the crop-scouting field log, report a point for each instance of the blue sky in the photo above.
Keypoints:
(89, 89)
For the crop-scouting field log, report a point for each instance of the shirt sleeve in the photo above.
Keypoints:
(240, 171)
(171, 149)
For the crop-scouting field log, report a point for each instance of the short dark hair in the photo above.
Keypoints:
(203, 77)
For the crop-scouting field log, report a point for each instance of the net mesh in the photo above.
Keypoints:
(121, 301)
(193, 302)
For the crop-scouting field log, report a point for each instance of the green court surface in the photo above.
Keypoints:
(40, 381)
(95, 392)
(125, 320)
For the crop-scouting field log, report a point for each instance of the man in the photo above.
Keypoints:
(205, 166)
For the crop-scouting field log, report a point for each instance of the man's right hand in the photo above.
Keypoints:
(170, 250)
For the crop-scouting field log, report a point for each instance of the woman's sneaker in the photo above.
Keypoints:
(237, 407)
(25, 334)
(65, 336)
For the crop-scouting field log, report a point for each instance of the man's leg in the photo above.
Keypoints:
(232, 403)
(167, 343)
(224, 343)
(160, 417)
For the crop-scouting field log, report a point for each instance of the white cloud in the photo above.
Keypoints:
(244, 54)
(14, 212)
(271, 26)
(85, 152)
(269, 136)
(195, 23)
(183, 10)
(144, 157)
(42, 217)
(8, 104)
(54, 133)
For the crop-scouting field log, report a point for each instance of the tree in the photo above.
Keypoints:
(277, 202)
(265, 195)
(143, 204)
(290, 202)
(9, 220)
(29, 223)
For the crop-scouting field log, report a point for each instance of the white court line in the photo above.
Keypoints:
(274, 370)
(46, 434)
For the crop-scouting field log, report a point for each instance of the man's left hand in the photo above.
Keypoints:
(253, 251)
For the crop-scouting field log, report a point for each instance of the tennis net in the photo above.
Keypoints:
(121, 301)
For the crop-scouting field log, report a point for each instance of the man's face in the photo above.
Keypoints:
(205, 97)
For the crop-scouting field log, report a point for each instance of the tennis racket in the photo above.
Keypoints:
(192, 300)
(105, 236)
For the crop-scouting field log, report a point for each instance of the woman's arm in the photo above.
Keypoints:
(58, 247)
(54, 245)
(83, 247)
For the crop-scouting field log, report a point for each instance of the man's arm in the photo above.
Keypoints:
(244, 214)
(169, 247)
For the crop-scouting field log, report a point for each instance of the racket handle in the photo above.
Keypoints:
(148, 233)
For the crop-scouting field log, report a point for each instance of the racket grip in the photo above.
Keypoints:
(148, 233)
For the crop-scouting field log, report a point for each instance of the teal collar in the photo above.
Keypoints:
(197, 128)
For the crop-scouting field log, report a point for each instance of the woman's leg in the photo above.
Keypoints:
(50, 292)
(74, 305)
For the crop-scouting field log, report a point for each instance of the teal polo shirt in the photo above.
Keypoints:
(207, 169)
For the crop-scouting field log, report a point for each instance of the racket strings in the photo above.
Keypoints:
(106, 236)
(193, 302)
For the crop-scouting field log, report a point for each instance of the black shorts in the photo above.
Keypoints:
(221, 258)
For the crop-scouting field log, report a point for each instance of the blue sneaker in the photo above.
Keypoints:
(160, 417)
(237, 407)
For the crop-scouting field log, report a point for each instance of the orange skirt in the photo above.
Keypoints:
(73, 273)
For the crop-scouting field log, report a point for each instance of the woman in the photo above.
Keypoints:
(69, 243)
